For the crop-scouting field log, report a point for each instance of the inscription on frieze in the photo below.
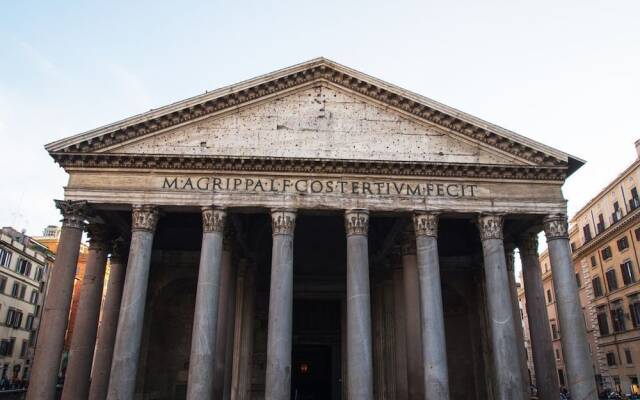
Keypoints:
(351, 187)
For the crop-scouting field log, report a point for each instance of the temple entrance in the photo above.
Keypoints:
(316, 350)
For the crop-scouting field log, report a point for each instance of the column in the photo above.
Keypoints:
(542, 348)
(580, 377)
(415, 366)
(359, 351)
(108, 324)
(126, 352)
(508, 378)
(44, 375)
(434, 349)
(509, 249)
(279, 336)
(224, 311)
(83, 342)
(205, 320)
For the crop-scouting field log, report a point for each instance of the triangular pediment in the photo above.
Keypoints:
(319, 110)
(320, 121)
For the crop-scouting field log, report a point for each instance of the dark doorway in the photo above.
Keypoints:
(316, 350)
(311, 372)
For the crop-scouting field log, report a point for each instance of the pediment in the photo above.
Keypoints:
(319, 111)
(318, 122)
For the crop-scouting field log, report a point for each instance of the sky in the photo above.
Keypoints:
(565, 73)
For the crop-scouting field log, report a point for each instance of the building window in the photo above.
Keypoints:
(637, 233)
(23, 267)
(14, 318)
(557, 354)
(627, 273)
(6, 348)
(606, 253)
(39, 273)
(586, 230)
(3, 283)
(573, 247)
(28, 325)
(623, 243)
(18, 290)
(617, 213)
(634, 201)
(617, 316)
(611, 359)
(597, 286)
(612, 281)
(561, 377)
(578, 280)
(5, 257)
(634, 310)
(23, 349)
(549, 298)
(600, 225)
(34, 296)
(603, 324)
(593, 261)
(628, 357)
(554, 331)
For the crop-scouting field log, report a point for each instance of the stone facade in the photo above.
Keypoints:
(277, 213)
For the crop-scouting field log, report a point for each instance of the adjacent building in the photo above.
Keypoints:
(24, 267)
(605, 241)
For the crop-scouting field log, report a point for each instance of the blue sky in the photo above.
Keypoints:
(563, 73)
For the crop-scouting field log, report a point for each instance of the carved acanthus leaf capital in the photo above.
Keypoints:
(490, 226)
(356, 222)
(425, 224)
(556, 227)
(144, 218)
(213, 219)
(74, 213)
(118, 251)
(98, 236)
(283, 221)
(528, 244)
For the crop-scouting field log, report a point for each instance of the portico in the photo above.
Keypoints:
(267, 223)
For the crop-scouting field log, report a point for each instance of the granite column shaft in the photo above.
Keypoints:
(280, 326)
(359, 343)
(44, 375)
(575, 347)
(126, 352)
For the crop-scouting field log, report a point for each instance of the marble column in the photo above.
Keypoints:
(359, 350)
(44, 373)
(126, 352)
(544, 362)
(415, 366)
(108, 324)
(400, 331)
(205, 320)
(434, 349)
(225, 319)
(245, 353)
(509, 249)
(279, 336)
(580, 377)
(508, 377)
(83, 342)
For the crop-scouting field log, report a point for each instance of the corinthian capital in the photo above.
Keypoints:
(144, 218)
(425, 224)
(213, 219)
(98, 236)
(356, 222)
(74, 213)
(528, 244)
(490, 226)
(283, 221)
(119, 251)
(556, 227)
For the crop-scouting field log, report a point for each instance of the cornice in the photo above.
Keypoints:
(625, 223)
(308, 165)
(316, 70)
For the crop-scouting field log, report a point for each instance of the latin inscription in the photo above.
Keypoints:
(321, 186)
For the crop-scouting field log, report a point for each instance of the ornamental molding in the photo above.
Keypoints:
(356, 222)
(283, 221)
(490, 226)
(625, 223)
(528, 244)
(311, 166)
(315, 71)
(144, 218)
(74, 213)
(425, 224)
(213, 219)
(556, 227)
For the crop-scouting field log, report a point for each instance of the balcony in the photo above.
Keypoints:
(616, 216)
(634, 203)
